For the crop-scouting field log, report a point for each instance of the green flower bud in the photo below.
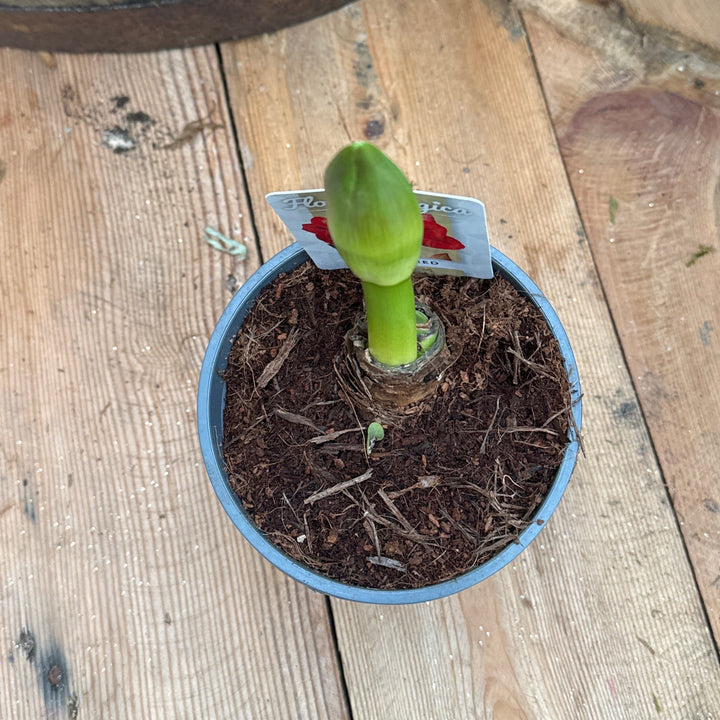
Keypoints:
(373, 216)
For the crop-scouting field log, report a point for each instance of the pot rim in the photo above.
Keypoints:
(211, 396)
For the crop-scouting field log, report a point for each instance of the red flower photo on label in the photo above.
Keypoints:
(318, 226)
(436, 236)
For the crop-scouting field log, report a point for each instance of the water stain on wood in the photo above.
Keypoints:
(125, 137)
(54, 677)
(28, 499)
(53, 673)
(627, 412)
(705, 330)
(26, 643)
(118, 139)
(508, 18)
(623, 409)
(119, 102)
(121, 135)
(635, 114)
(139, 117)
(364, 66)
(69, 101)
(374, 129)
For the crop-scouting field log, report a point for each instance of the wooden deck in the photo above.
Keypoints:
(592, 132)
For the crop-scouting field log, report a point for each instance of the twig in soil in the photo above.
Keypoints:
(371, 530)
(397, 514)
(424, 481)
(387, 562)
(307, 533)
(548, 448)
(320, 439)
(351, 405)
(338, 488)
(539, 369)
(273, 367)
(571, 419)
(289, 504)
(517, 353)
(321, 404)
(566, 409)
(297, 419)
(469, 536)
(547, 431)
(286, 542)
(369, 512)
(319, 471)
(486, 551)
(333, 448)
(482, 331)
(483, 492)
(492, 422)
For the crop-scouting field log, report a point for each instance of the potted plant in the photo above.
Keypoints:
(373, 446)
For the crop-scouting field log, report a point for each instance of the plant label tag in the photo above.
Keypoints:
(455, 238)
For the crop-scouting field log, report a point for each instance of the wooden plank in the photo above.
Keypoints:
(698, 20)
(126, 591)
(643, 156)
(691, 26)
(600, 617)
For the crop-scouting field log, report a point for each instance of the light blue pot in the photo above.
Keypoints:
(211, 402)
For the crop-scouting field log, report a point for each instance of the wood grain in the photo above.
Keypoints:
(652, 151)
(126, 591)
(600, 617)
(695, 19)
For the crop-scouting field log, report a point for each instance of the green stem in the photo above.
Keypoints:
(392, 334)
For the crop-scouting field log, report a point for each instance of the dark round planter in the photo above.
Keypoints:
(211, 400)
(142, 25)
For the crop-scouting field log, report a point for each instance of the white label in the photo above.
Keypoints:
(455, 238)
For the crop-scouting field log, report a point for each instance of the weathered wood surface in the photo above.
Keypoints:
(697, 20)
(123, 582)
(124, 590)
(601, 618)
(641, 143)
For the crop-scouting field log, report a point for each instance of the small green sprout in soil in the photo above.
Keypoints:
(375, 432)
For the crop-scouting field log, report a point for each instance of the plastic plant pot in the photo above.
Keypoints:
(211, 401)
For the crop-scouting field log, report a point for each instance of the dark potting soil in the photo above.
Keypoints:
(445, 489)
